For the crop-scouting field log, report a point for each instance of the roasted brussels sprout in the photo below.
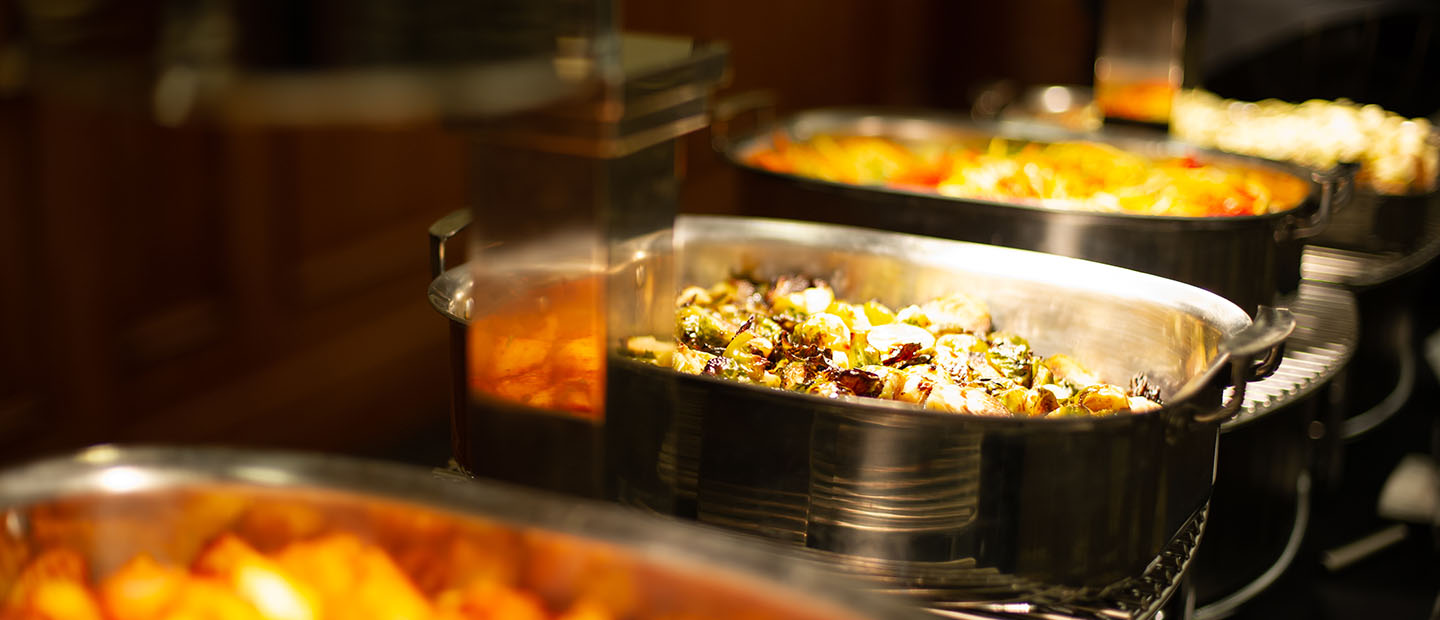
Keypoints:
(1012, 361)
(650, 348)
(823, 330)
(853, 315)
(693, 295)
(957, 313)
(805, 302)
(701, 328)
(690, 361)
(1066, 369)
(891, 341)
(1103, 399)
(794, 334)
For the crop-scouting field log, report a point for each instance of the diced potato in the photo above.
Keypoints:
(60, 599)
(516, 355)
(578, 358)
(488, 600)
(205, 599)
(142, 589)
(32, 593)
(354, 580)
(587, 610)
(273, 592)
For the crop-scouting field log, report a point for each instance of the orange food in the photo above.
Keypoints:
(143, 588)
(544, 350)
(1081, 175)
(333, 577)
(1147, 101)
(52, 587)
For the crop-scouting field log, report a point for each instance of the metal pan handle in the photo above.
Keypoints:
(1264, 340)
(440, 232)
(1337, 187)
(728, 111)
(1362, 423)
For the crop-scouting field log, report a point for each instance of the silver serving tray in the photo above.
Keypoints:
(1247, 259)
(919, 498)
(110, 503)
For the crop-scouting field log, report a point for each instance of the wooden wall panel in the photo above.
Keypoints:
(22, 392)
(262, 286)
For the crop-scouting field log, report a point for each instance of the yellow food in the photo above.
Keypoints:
(337, 576)
(1396, 155)
(1082, 175)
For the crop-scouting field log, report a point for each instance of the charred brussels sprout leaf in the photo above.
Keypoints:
(859, 382)
(902, 354)
(888, 341)
(726, 368)
(1140, 386)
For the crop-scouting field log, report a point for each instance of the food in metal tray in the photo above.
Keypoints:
(1396, 155)
(543, 350)
(333, 576)
(1078, 175)
(794, 334)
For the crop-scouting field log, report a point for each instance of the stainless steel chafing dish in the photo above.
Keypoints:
(111, 503)
(933, 498)
(942, 500)
(1245, 259)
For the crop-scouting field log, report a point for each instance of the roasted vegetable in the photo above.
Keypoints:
(1079, 175)
(941, 355)
(702, 328)
(1397, 155)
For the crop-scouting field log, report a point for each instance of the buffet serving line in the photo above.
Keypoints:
(976, 517)
(933, 365)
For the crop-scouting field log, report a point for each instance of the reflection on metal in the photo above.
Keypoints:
(1390, 238)
(1138, 66)
(1324, 340)
(978, 508)
(665, 567)
(1383, 239)
(1361, 269)
(1227, 606)
(441, 231)
(1344, 556)
(1362, 423)
(1139, 598)
(871, 489)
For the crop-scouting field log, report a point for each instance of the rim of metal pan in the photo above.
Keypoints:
(768, 569)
